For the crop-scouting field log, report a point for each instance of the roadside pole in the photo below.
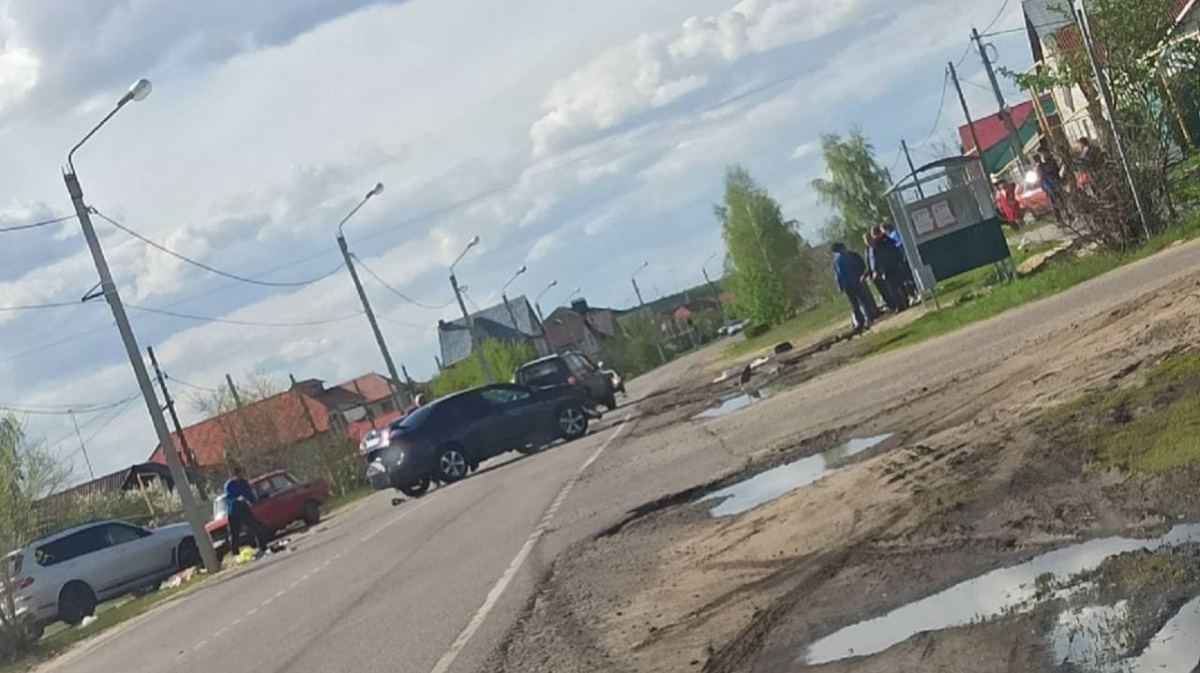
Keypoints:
(170, 407)
(476, 343)
(1106, 97)
(187, 499)
(962, 100)
(912, 169)
(82, 446)
(237, 399)
(1014, 137)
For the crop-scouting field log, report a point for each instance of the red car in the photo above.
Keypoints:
(282, 501)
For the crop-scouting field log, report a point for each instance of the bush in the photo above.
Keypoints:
(503, 356)
(756, 330)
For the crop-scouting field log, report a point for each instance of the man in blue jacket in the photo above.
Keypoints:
(848, 272)
(239, 498)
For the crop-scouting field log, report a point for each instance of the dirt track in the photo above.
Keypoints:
(970, 481)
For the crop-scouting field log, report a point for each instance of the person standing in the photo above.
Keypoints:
(1050, 173)
(848, 271)
(1007, 204)
(239, 499)
(889, 265)
(876, 273)
(907, 281)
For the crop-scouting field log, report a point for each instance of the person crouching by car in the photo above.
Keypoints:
(239, 499)
(1007, 204)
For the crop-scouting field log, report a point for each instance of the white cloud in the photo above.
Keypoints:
(805, 150)
(543, 247)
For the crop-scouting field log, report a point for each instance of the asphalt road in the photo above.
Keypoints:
(429, 585)
(435, 584)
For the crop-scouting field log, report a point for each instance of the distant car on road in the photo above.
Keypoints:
(732, 328)
(447, 438)
(66, 575)
(570, 369)
(282, 501)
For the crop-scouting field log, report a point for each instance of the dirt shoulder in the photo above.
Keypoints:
(973, 479)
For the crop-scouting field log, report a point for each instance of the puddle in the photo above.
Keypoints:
(1094, 639)
(767, 486)
(728, 405)
(1001, 591)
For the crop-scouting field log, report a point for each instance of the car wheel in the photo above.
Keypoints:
(530, 449)
(416, 489)
(33, 631)
(76, 601)
(610, 403)
(572, 422)
(451, 465)
(188, 554)
(311, 513)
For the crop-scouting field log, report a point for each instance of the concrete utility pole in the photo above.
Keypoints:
(966, 111)
(362, 296)
(642, 303)
(912, 170)
(504, 296)
(1085, 29)
(82, 446)
(187, 499)
(170, 407)
(713, 288)
(476, 342)
(237, 399)
(1014, 137)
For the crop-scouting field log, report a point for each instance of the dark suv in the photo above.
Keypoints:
(570, 369)
(451, 436)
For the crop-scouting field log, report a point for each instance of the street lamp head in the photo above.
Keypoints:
(138, 92)
(376, 190)
(522, 270)
(553, 283)
(473, 242)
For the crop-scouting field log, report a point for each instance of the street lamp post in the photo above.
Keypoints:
(504, 296)
(537, 302)
(713, 288)
(138, 92)
(362, 294)
(642, 303)
(574, 293)
(476, 343)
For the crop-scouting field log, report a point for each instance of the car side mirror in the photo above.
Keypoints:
(600, 364)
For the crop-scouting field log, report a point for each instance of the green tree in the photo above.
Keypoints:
(855, 187)
(503, 356)
(768, 266)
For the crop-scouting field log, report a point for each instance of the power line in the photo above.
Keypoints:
(64, 410)
(996, 19)
(244, 323)
(410, 325)
(193, 386)
(398, 293)
(35, 225)
(210, 269)
(34, 307)
(941, 108)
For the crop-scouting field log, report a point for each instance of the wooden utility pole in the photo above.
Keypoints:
(912, 169)
(237, 400)
(1014, 137)
(188, 454)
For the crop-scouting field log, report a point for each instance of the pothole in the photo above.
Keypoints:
(774, 483)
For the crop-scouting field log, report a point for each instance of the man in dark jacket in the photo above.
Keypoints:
(239, 498)
(848, 271)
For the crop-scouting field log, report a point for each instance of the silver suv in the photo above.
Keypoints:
(65, 575)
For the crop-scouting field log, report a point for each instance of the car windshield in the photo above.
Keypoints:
(218, 507)
(415, 418)
(538, 370)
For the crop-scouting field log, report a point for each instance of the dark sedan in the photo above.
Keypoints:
(447, 438)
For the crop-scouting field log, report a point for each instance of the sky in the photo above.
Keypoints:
(578, 138)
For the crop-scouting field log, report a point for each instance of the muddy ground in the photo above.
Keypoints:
(988, 467)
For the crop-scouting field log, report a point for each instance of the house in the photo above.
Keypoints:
(127, 479)
(258, 430)
(367, 397)
(994, 137)
(1052, 33)
(580, 328)
(511, 320)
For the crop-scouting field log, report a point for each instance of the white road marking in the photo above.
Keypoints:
(493, 597)
(393, 522)
(251, 612)
(200, 644)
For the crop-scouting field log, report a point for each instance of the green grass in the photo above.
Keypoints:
(802, 325)
(973, 305)
(337, 502)
(1150, 428)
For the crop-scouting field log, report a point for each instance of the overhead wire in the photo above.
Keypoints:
(35, 225)
(35, 307)
(206, 267)
(938, 118)
(193, 386)
(244, 323)
(398, 293)
(62, 410)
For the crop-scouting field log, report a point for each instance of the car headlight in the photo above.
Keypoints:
(1032, 178)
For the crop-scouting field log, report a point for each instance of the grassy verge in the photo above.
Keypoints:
(973, 305)
(349, 497)
(802, 325)
(1149, 428)
(59, 637)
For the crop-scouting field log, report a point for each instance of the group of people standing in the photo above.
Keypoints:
(885, 266)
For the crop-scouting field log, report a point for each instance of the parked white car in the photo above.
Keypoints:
(65, 575)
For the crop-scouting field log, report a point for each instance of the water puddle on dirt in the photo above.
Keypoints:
(728, 405)
(1006, 590)
(1094, 639)
(766, 486)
